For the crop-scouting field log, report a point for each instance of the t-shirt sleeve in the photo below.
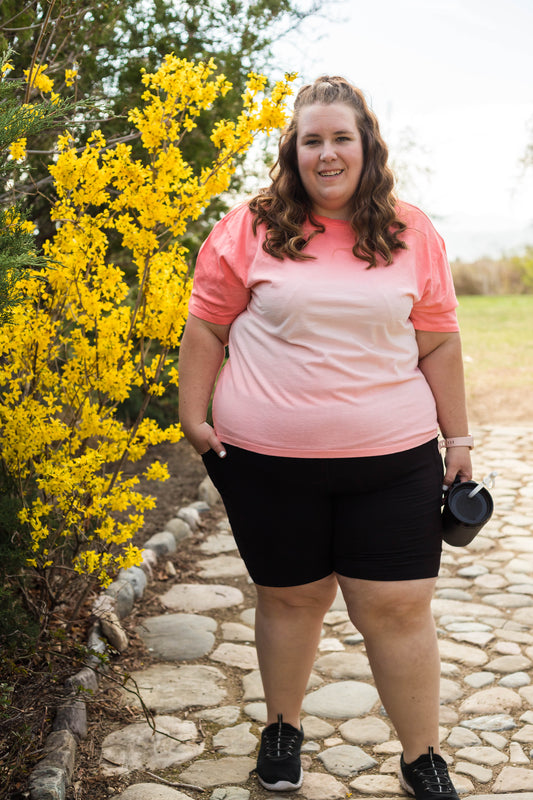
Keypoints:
(435, 307)
(219, 291)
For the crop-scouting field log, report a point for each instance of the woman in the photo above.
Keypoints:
(345, 360)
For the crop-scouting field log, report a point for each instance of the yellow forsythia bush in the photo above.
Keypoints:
(83, 338)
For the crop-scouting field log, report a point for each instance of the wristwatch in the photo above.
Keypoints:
(458, 441)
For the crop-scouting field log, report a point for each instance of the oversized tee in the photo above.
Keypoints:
(323, 358)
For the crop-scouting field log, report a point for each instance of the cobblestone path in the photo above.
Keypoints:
(201, 679)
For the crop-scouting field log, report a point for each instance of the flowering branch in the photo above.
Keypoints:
(84, 337)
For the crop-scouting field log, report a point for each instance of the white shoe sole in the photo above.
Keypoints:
(282, 786)
(405, 785)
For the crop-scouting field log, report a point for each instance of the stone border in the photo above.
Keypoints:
(52, 775)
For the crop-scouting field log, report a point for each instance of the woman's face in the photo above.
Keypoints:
(329, 152)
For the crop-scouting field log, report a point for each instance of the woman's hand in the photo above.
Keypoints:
(203, 438)
(458, 464)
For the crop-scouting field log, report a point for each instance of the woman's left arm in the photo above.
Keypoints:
(441, 362)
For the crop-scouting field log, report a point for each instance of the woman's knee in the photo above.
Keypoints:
(316, 596)
(392, 605)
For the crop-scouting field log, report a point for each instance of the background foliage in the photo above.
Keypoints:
(108, 44)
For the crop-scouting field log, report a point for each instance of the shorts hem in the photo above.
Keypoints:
(420, 575)
(291, 584)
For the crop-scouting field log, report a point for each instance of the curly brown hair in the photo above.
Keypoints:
(285, 206)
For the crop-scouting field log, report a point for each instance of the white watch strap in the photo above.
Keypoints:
(458, 441)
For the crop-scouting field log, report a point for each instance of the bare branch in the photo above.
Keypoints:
(173, 783)
(36, 51)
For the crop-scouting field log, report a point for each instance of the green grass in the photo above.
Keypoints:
(497, 335)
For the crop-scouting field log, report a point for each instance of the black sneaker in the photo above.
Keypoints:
(427, 778)
(278, 763)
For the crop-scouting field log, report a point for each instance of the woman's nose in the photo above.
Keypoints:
(328, 151)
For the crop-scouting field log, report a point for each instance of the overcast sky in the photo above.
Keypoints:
(458, 75)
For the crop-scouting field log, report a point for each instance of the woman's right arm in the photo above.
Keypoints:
(201, 356)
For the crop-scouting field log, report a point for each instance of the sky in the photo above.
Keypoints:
(455, 78)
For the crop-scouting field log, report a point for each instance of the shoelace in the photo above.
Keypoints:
(434, 776)
(280, 741)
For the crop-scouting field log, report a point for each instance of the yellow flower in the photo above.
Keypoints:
(156, 472)
(38, 79)
(71, 76)
(17, 150)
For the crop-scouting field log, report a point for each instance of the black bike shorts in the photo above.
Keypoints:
(297, 520)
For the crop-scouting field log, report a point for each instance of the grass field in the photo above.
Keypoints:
(497, 334)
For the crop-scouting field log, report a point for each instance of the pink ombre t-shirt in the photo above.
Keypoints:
(323, 354)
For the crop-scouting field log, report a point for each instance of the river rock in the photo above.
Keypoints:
(196, 597)
(230, 793)
(218, 543)
(162, 543)
(476, 771)
(136, 577)
(318, 786)
(218, 772)
(461, 737)
(137, 746)
(178, 637)
(124, 596)
(514, 779)
(509, 664)
(377, 785)
(346, 760)
(235, 741)
(342, 700)
(150, 791)
(236, 655)
(344, 666)
(464, 654)
(486, 756)
(208, 492)
(491, 701)
(490, 722)
(365, 731)
(179, 529)
(222, 567)
(167, 688)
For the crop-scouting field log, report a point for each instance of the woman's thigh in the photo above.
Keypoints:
(392, 530)
(280, 515)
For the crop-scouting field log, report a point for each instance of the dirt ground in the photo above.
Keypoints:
(495, 403)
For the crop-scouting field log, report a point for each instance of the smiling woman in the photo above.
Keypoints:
(337, 303)
(330, 157)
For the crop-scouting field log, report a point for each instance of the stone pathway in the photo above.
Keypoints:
(202, 683)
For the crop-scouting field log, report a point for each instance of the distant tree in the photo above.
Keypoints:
(411, 164)
(524, 264)
(527, 159)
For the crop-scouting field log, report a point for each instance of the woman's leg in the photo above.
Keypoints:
(288, 623)
(401, 642)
